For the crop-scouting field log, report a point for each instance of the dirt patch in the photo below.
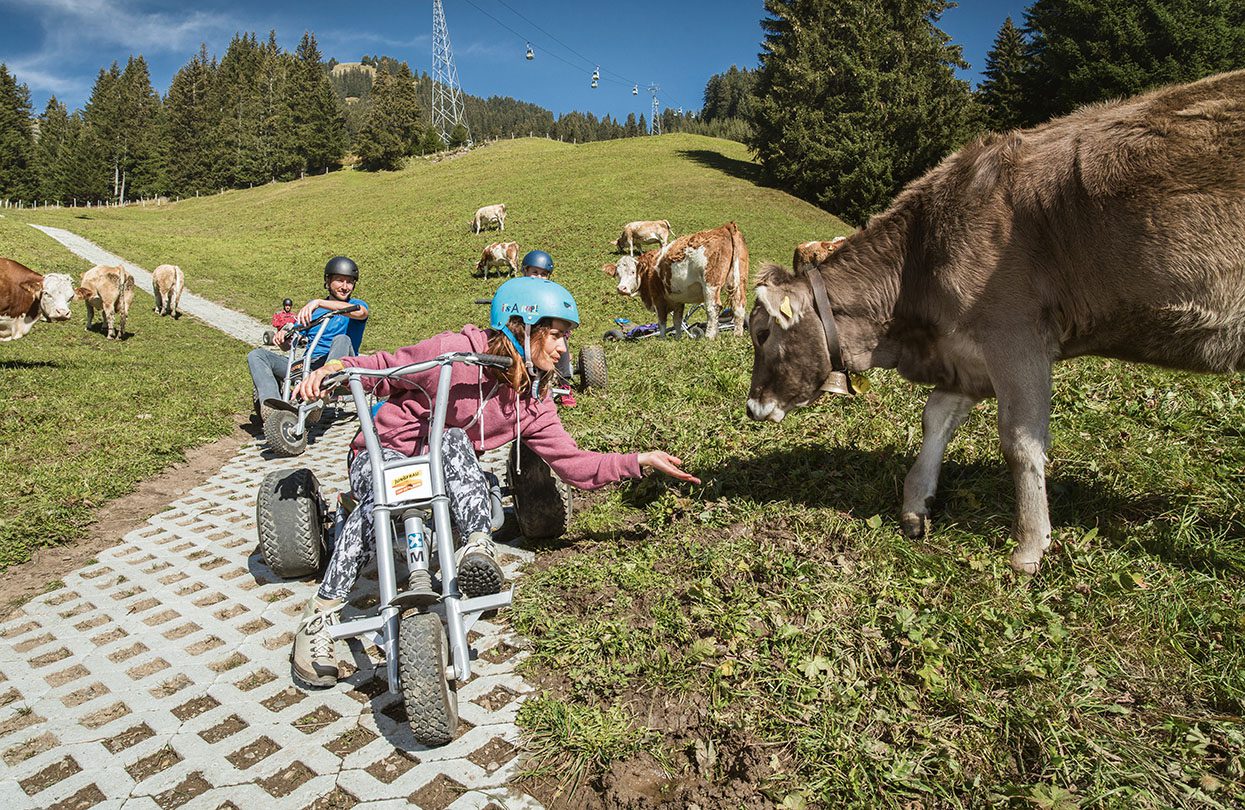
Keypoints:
(116, 519)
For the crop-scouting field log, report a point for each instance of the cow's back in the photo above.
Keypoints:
(1116, 230)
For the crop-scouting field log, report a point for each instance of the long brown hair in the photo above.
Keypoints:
(516, 376)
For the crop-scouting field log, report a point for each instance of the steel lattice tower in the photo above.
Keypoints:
(447, 98)
(652, 88)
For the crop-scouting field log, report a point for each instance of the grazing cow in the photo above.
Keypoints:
(499, 254)
(27, 297)
(488, 216)
(1114, 231)
(692, 269)
(641, 233)
(167, 283)
(111, 289)
(810, 254)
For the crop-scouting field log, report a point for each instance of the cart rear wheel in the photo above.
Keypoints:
(431, 698)
(542, 502)
(289, 514)
(592, 370)
(279, 433)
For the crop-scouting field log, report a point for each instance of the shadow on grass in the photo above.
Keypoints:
(979, 497)
(15, 365)
(727, 165)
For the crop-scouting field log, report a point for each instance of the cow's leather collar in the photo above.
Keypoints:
(821, 303)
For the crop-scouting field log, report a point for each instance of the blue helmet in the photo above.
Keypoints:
(538, 259)
(531, 299)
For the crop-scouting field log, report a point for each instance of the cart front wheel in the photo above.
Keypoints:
(279, 433)
(592, 370)
(431, 699)
(290, 516)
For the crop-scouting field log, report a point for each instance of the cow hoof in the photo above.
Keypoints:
(914, 526)
(1026, 562)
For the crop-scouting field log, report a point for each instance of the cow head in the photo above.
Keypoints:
(628, 274)
(790, 362)
(58, 291)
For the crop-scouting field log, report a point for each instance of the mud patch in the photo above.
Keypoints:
(115, 520)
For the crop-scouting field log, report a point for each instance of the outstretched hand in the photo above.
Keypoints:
(663, 462)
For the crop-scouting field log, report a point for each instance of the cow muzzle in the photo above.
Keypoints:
(760, 411)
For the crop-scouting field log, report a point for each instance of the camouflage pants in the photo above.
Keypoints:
(468, 488)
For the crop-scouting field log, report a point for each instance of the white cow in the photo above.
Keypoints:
(27, 297)
(488, 216)
(167, 283)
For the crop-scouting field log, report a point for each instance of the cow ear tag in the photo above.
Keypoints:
(785, 309)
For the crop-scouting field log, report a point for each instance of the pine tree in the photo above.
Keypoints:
(1000, 95)
(855, 98)
(51, 152)
(431, 142)
(1083, 51)
(240, 156)
(393, 128)
(458, 136)
(320, 127)
(143, 161)
(191, 120)
(17, 147)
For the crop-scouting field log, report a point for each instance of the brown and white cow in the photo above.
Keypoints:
(27, 298)
(810, 254)
(642, 232)
(692, 269)
(1114, 231)
(499, 254)
(111, 289)
(167, 283)
(488, 216)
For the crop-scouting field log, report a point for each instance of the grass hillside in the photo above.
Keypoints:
(769, 636)
(83, 419)
(409, 231)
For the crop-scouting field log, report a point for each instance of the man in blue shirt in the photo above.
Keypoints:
(341, 336)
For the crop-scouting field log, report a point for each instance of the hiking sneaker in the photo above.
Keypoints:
(315, 660)
(478, 571)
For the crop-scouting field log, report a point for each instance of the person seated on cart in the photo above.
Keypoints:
(539, 264)
(284, 316)
(530, 319)
(341, 336)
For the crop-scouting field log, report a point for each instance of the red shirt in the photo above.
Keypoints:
(280, 318)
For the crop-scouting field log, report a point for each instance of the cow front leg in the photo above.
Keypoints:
(661, 311)
(711, 312)
(944, 412)
(1024, 389)
(677, 311)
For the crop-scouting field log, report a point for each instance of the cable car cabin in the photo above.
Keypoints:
(596, 74)
(594, 83)
(530, 53)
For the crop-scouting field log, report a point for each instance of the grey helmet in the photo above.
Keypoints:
(341, 266)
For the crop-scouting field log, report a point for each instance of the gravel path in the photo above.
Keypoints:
(231, 322)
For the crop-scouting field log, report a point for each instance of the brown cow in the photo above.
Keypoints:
(641, 233)
(499, 254)
(27, 297)
(810, 254)
(111, 289)
(692, 269)
(1114, 231)
(167, 283)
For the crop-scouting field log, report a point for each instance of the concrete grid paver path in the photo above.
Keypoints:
(159, 676)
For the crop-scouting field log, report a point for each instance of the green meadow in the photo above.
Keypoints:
(767, 637)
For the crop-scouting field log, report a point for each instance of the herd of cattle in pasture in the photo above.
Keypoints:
(1114, 231)
(26, 297)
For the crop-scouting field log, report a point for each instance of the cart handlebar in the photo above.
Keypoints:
(470, 358)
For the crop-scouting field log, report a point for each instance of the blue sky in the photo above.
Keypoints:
(58, 46)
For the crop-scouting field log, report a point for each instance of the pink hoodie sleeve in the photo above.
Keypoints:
(424, 350)
(579, 468)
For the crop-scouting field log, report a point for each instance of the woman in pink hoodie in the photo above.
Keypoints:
(530, 319)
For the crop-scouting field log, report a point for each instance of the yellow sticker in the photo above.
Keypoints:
(785, 309)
